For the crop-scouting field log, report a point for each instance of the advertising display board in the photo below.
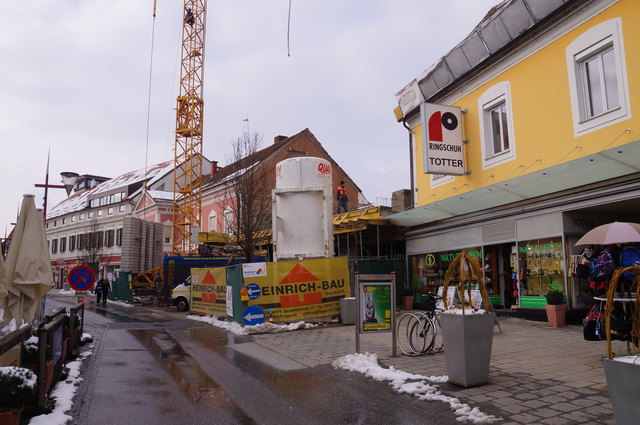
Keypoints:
(297, 290)
(442, 139)
(376, 301)
(209, 291)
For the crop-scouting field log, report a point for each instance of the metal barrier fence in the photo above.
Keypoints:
(10, 340)
(76, 327)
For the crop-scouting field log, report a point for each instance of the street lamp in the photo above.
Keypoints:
(69, 179)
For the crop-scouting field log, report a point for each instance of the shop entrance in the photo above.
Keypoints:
(499, 274)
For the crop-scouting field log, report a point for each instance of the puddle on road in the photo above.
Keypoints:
(195, 384)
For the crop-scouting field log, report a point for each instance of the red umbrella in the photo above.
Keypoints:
(612, 233)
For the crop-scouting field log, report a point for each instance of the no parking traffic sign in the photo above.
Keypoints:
(81, 278)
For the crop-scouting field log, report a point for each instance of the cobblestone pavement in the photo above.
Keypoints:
(539, 374)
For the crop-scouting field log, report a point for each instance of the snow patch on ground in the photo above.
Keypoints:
(239, 329)
(367, 364)
(63, 394)
(65, 292)
(120, 303)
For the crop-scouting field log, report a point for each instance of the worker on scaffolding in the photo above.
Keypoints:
(341, 196)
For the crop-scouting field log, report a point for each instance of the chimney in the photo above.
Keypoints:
(278, 139)
(214, 167)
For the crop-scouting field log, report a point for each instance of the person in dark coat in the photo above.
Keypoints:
(105, 288)
(98, 291)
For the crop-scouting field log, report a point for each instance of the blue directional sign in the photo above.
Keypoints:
(253, 290)
(81, 278)
(253, 315)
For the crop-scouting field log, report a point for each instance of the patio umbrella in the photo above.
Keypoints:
(612, 233)
(28, 262)
(3, 286)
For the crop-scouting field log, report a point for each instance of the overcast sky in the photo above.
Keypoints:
(74, 78)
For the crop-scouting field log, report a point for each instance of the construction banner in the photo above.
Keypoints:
(209, 291)
(297, 290)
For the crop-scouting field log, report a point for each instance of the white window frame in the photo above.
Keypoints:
(493, 97)
(228, 224)
(589, 44)
(440, 179)
(213, 218)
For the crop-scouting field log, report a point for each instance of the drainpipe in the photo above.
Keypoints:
(413, 190)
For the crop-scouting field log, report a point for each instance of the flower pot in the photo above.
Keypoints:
(467, 340)
(407, 302)
(556, 315)
(622, 380)
(11, 416)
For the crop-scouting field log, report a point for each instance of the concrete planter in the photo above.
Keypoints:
(556, 315)
(622, 380)
(467, 341)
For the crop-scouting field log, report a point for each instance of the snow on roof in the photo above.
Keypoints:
(161, 195)
(78, 201)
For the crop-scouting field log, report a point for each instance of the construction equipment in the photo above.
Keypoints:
(187, 195)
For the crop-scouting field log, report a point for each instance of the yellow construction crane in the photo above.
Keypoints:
(187, 194)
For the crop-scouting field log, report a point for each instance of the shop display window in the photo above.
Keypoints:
(432, 267)
(540, 263)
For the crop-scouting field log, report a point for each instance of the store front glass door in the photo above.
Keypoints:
(499, 274)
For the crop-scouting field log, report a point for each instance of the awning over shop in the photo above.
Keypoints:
(607, 164)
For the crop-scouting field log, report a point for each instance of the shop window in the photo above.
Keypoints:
(597, 77)
(431, 267)
(540, 263)
(496, 125)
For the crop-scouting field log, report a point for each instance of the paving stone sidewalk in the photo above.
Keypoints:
(539, 374)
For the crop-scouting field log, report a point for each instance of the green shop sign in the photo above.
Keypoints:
(553, 246)
(533, 301)
(450, 256)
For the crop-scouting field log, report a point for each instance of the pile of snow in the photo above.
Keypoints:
(29, 379)
(66, 292)
(239, 329)
(466, 311)
(86, 338)
(367, 364)
(120, 303)
(628, 359)
(63, 394)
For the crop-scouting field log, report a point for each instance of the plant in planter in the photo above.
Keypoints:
(623, 372)
(556, 305)
(17, 388)
(467, 332)
(30, 353)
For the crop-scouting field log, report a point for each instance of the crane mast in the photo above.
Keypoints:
(187, 185)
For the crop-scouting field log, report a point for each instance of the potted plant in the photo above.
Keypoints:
(468, 331)
(17, 388)
(556, 305)
(622, 372)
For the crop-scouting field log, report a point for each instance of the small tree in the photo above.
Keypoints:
(248, 194)
(91, 247)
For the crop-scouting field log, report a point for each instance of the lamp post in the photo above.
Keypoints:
(69, 179)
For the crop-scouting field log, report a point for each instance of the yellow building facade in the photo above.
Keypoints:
(548, 92)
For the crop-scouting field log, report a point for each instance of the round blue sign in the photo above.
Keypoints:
(253, 290)
(81, 278)
(253, 315)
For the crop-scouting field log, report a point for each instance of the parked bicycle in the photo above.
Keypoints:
(419, 333)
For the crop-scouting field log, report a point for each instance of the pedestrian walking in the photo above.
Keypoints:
(98, 291)
(341, 196)
(105, 288)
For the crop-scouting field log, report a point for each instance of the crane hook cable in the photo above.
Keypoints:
(146, 153)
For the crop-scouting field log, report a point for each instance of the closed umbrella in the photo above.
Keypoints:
(3, 286)
(28, 262)
(617, 232)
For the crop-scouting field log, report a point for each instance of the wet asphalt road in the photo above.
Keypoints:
(153, 366)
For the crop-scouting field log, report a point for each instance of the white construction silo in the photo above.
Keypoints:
(302, 209)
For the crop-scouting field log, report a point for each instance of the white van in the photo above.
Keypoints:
(181, 295)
